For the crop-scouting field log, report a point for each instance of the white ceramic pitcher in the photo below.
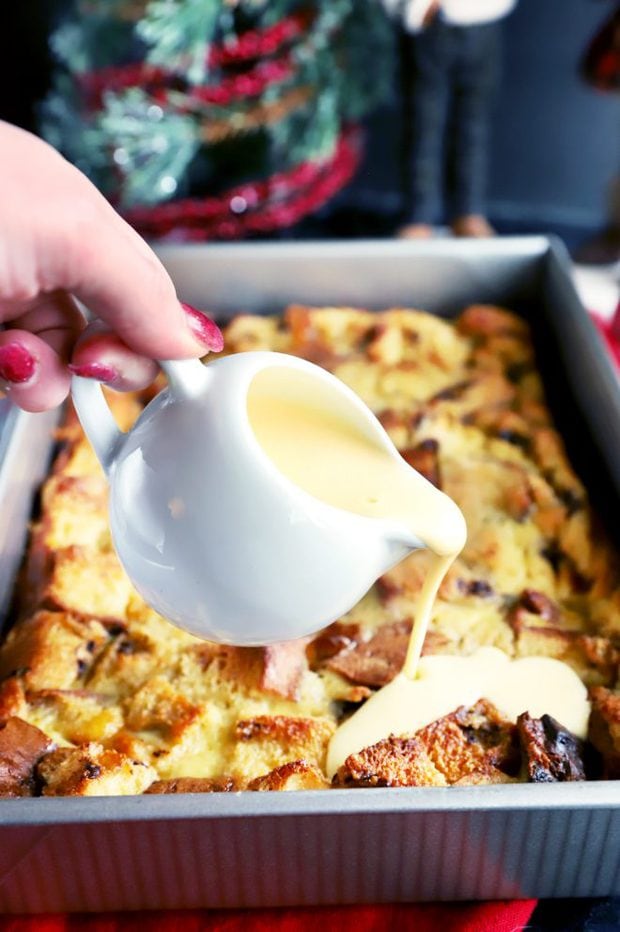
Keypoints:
(211, 534)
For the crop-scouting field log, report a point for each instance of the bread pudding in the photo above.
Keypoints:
(99, 695)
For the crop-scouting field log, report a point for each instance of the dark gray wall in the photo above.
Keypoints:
(556, 142)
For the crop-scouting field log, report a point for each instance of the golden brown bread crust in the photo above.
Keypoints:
(51, 650)
(193, 785)
(91, 770)
(88, 582)
(305, 738)
(294, 775)
(21, 748)
(551, 754)
(390, 762)
(376, 661)
(12, 696)
(276, 669)
(99, 673)
(604, 729)
(474, 745)
(475, 742)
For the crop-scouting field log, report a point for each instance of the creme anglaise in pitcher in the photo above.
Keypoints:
(257, 499)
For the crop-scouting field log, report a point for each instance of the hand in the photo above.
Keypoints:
(431, 13)
(59, 238)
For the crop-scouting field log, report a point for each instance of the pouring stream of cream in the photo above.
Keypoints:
(337, 462)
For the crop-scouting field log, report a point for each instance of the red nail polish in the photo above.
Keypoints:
(95, 370)
(17, 365)
(204, 328)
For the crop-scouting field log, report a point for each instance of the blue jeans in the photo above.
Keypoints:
(450, 75)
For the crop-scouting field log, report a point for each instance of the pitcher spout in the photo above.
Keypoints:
(399, 543)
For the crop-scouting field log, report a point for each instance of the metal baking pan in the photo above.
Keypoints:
(340, 846)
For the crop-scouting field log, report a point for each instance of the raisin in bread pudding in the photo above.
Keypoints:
(101, 696)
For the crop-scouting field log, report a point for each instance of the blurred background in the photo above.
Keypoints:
(555, 143)
(245, 119)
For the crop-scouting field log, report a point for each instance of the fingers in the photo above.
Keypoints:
(34, 351)
(59, 236)
(100, 354)
(33, 361)
(59, 233)
(54, 317)
(32, 371)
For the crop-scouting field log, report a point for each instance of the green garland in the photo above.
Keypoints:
(178, 33)
(139, 151)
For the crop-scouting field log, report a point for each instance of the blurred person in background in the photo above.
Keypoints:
(451, 51)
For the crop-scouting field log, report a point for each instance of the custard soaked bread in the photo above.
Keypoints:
(100, 695)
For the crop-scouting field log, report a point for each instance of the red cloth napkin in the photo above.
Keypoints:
(424, 917)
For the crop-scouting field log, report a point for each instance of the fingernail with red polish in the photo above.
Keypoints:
(95, 370)
(17, 364)
(204, 328)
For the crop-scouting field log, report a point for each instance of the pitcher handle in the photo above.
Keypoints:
(186, 378)
(97, 420)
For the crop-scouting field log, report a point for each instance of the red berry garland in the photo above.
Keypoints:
(120, 78)
(251, 45)
(160, 84)
(259, 43)
(250, 84)
(275, 203)
(251, 208)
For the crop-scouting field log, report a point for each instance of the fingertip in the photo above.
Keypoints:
(204, 328)
(100, 354)
(32, 373)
